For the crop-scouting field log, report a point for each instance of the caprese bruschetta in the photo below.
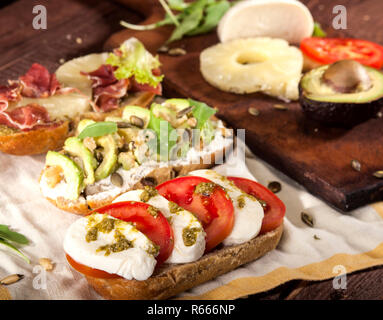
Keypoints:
(154, 243)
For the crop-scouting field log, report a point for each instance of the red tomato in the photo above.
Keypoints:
(329, 50)
(275, 209)
(216, 212)
(156, 229)
(88, 271)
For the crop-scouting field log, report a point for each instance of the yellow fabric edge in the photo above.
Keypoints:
(316, 271)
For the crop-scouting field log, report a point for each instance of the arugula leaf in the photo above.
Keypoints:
(7, 234)
(17, 251)
(165, 132)
(178, 5)
(318, 31)
(166, 21)
(214, 13)
(201, 111)
(135, 61)
(98, 129)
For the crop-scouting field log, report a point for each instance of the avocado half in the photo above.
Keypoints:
(322, 103)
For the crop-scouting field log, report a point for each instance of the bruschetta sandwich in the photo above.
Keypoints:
(39, 110)
(142, 147)
(154, 243)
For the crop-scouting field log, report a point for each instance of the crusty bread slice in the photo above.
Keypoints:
(157, 176)
(44, 139)
(170, 280)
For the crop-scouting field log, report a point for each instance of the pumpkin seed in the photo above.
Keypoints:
(13, 278)
(274, 186)
(280, 107)
(254, 111)
(136, 121)
(117, 180)
(176, 52)
(182, 112)
(307, 219)
(378, 174)
(355, 164)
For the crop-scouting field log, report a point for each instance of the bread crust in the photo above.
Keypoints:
(170, 280)
(44, 139)
(158, 175)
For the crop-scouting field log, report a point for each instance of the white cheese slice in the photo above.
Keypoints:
(136, 262)
(180, 221)
(247, 219)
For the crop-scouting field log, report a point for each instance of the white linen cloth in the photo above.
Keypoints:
(23, 209)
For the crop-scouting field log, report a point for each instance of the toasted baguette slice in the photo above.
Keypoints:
(159, 175)
(170, 280)
(52, 138)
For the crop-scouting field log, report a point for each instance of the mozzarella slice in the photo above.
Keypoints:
(247, 217)
(182, 222)
(284, 19)
(136, 262)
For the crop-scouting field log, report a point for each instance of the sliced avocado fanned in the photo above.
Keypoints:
(109, 162)
(137, 116)
(341, 94)
(75, 147)
(73, 174)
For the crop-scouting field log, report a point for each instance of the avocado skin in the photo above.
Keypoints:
(339, 114)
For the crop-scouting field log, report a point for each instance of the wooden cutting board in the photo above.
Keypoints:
(316, 156)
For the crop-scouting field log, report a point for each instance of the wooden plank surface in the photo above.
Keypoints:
(316, 156)
(93, 22)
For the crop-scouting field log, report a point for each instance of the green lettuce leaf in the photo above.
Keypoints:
(202, 112)
(135, 61)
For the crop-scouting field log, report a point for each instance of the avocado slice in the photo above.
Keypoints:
(83, 124)
(75, 147)
(73, 174)
(322, 102)
(137, 116)
(109, 162)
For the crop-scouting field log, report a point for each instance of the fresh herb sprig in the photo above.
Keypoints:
(193, 18)
(7, 237)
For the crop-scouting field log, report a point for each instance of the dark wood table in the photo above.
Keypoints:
(77, 27)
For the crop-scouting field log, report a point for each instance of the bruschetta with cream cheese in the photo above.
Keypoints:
(154, 243)
(142, 147)
(39, 109)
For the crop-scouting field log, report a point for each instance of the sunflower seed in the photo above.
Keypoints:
(355, 164)
(136, 121)
(163, 49)
(307, 219)
(274, 186)
(254, 111)
(182, 112)
(117, 180)
(378, 174)
(280, 107)
(176, 52)
(124, 125)
(13, 278)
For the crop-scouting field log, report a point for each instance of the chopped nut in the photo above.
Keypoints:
(192, 122)
(53, 176)
(46, 263)
(13, 278)
(78, 40)
(90, 143)
(176, 52)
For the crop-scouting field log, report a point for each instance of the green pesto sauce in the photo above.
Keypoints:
(153, 211)
(205, 188)
(241, 201)
(106, 225)
(174, 207)
(153, 250)
(148, 193)
(189, 236)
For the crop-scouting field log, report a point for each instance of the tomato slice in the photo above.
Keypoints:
(329, 50)
(275, 208)
(88, 271)
(156, 228)
(215, 211)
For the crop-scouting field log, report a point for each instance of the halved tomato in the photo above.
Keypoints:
(156, 228)
(275, 208)
(329, 50)
(215, 210)
(88, 271)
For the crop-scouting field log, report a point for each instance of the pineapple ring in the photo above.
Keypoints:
(254, 65)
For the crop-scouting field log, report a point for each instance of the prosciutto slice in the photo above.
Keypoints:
(26, 117)
(9, 93)
(38, 82)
